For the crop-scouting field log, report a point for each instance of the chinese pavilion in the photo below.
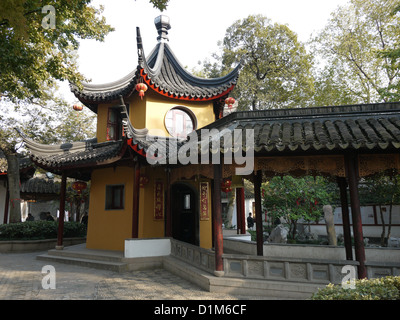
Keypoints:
(146, 119)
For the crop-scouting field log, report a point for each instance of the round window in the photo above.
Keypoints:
(180, 122)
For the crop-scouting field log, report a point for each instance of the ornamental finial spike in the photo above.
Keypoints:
(162, 25)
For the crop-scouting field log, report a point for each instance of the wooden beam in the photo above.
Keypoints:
(217, 220)
(168, 215)
(345, 217)
(240, 211)
(351, 161)
(259, 224)
(136, 196)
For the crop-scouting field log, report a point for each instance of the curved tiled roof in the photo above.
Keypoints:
(95, 93)
(320, 130)
(70, 155)
(369, 127)
(40, 185)
(162, 72)
(165, 74)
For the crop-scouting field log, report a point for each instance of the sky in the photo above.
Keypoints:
(196, 28)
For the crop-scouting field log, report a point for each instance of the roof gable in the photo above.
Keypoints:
(163, 73)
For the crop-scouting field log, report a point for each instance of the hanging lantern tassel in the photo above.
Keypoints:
(226, 186)
(79, 186)
(141, 88)
(230, 101)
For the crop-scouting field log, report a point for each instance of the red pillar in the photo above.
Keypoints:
(217, 220)
(7, 201)
(60, 232)
(168, 222)
(136, 193)
(259, 224)
(345, 217)
(240, 211)
(351, 162)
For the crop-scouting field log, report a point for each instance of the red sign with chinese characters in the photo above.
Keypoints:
(204, 201)
(159, 200)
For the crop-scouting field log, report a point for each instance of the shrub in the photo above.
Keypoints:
(34, 230)
(386, 288)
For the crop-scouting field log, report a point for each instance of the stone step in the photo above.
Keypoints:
(87, 254)
(91, 263)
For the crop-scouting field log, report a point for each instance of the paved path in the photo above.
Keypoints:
(21, 279)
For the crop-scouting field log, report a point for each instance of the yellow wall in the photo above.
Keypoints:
(102, 115)
(137, 114)
(157, 107)
(150, 112)
(108, 229)
(148, 226)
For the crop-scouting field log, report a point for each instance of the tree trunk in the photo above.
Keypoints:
(383, 226)
(391, 210)
(389, 223)
(14, 187)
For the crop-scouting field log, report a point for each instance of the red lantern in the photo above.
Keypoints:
(143, 181)
(226, 186)
(77, 108)
(79, 186)
(141, 88)
(230, 101)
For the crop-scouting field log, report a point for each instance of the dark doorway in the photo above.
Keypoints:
(185, 213)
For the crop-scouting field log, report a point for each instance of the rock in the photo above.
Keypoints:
(278, 234)
(394, 242)
(330, 226)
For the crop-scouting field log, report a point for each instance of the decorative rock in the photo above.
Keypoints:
(330, 226)
(278, 235)
(393, 242)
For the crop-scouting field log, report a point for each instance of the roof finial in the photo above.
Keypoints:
(162, 25)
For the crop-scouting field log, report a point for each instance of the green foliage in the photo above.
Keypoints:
(296, 198)
(33, 57)
(34, 230)
(349, 46)
(276, 67)
(380, 190)
(392, 57)
(160, 4)
(386, 288)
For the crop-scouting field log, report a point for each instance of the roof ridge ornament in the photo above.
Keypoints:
(162, 25)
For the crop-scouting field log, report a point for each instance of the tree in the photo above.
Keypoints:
(38, 46)
(349, 45)
(382, 189)
(330, 90)
(38, 43)
(296, 198)
(392, 92)
(52, 123)
(276, 68)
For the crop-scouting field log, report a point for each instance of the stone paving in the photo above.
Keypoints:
(21, 279)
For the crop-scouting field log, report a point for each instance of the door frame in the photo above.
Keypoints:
(175, 215)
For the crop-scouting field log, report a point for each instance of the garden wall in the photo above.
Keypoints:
(35, 245)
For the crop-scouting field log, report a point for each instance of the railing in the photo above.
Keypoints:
(297, 270)
(195, 256)
(248, 266)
